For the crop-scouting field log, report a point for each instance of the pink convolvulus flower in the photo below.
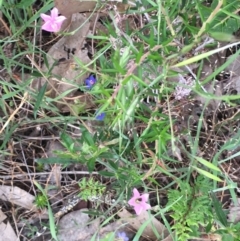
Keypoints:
(53, 22)
(138, 201)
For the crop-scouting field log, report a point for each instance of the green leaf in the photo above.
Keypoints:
(219, 211)
(39, 99)
(113, 165)
(54, 160)
(25, 3)
(208, 174)
(88, 138)
(109, 237)
(50, 213)
(124, 58)
(207, 164)
(106, 174)
(36, 74)
(187, 48)
(112, 142)
(67, 141)
(91, 164)
(220, 36)
(228, 237)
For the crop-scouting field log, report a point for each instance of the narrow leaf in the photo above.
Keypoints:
(207, 164)
(54, 160)
(50, 213)
(208, 174)
(219, 211)
(204, 55)
(67, 141)
(113, 165)
(106, 174)
(39, 99)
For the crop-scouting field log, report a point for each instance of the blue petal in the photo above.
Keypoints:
(90, 81)
(123, 236)
(100, 116)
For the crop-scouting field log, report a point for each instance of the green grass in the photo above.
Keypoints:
(140, 144)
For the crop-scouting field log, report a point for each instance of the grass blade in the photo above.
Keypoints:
(39, 99)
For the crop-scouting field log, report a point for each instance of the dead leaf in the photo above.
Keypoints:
(2, 216)
(208, 237)
(79, 103)
(69, 7)
(137, 221)
(69, 48)
(75, 226)
(7, 233)
(64, 55)
(17, 196)
(54, 179)
(234, 67)
(232, 84)
(234, 212)
(6, 230)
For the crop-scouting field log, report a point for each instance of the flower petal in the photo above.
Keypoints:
(59, 25)
(45, 17)
(100, 116)
(145, 197)
(54, 13)
(60, 19)
(122, 236)
(145, 206)
(90, 81)
(47, 27)
(138, 209)
(136, 193)
(132, 201)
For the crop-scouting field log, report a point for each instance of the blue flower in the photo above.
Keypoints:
(90, 81)
(122, 236)
(100, 116)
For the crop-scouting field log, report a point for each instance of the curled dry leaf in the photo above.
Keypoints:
(153, 224)
(55, 180)
(17, 196)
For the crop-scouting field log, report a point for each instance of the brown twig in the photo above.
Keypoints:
(15, 112)
(5, 26)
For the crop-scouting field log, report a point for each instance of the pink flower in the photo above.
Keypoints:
(53, 22)
(139, 201)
